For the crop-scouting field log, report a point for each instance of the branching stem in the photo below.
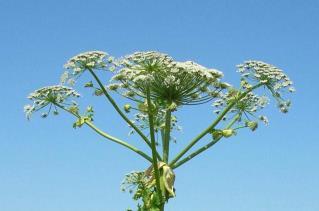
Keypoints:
(107, 136)
(207, 146)
(120, 112)
(213, 125)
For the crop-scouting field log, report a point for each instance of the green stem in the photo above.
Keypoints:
(153, 144)
(207, 146)
(163, 139)
(107, 136)
(120, 112)
(212, 126)
(116, 140)
(167, 135)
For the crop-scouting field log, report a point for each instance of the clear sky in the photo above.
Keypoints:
(47, 165)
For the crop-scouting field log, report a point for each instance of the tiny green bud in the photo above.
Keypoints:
(252, 125)
(88, 84)
(113, 87)
(98, 92)
(44, 115)
(74, 109)
(224, 85)
(195, 96)
(127, 108)
(214, 94)
(228, 133)
(89, 109)
(130, 94)
(217, 134)
(172, 106)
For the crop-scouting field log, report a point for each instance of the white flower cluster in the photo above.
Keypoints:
(47, 96)
(266, 73)
(198, 70)
(146, 59)
(87, 60)
(272, 77)
(248, 105)
(182, 83)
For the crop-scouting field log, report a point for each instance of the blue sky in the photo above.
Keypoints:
(47, 165)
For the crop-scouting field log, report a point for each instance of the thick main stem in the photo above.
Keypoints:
(154, 151)
(167, 135)
(212, 126)
(120, 112)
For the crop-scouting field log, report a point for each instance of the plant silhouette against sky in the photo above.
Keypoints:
(157, 86)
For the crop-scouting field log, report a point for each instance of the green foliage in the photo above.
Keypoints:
(142, 186)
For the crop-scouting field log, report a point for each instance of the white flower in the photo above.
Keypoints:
(169, 81)
(264, 119)
(292, 89)
(250, 103)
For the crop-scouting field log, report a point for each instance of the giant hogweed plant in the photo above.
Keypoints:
(157, 86)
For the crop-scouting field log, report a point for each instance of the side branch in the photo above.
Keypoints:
(207, 146)
(212, 126)
(109, 137)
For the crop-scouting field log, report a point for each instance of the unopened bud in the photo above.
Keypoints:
(127, 108)
(172, 106)
(228, 133)
(252, 125)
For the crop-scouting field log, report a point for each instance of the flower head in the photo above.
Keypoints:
(50, 95)
(146, 59)
(251, 103)
(84, 61)
(246, 106)
(272, 77)
(169, 81)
